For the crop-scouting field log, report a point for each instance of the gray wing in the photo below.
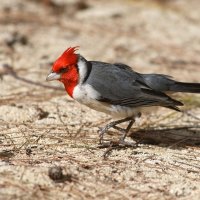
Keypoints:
(157, 82)
(122, 86)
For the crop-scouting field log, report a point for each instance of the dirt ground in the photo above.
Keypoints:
(41, 127)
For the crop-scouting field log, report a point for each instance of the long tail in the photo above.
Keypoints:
(185, 87)
(163, 83)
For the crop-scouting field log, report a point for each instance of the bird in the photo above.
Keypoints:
(116, 89)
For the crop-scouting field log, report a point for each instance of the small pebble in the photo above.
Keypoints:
(56, 173)
(28, 151)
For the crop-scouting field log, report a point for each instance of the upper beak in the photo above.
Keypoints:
(53, 76)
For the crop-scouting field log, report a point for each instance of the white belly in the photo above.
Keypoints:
(87, 95)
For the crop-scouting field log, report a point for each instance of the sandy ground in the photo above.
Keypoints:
(41, 127)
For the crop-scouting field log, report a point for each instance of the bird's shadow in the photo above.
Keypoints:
(173, 137)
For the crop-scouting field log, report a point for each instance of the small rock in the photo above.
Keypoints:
(56, 173)
(28, 151)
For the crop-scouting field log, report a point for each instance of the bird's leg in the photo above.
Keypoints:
(125, 131)
(113, 125)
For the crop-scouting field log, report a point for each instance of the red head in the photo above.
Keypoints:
(65, 60)
(65, 69)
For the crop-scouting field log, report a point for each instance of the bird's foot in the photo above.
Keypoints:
(101, 133)
(124, 143)
(117, 144)
(114, 124)
(113, 145)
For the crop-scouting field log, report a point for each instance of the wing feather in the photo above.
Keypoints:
(125, 87)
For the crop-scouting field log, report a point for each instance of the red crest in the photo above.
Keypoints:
(69, 57)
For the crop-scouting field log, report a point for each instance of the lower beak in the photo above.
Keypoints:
(53, 76)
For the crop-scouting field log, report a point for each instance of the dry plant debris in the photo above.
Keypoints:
(40, 127)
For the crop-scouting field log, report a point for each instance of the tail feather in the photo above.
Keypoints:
(173, 108)
(174, 104)
(185, 87)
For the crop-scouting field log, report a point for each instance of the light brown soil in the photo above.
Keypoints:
(41, 127)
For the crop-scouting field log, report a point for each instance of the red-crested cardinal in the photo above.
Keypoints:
(115, 89)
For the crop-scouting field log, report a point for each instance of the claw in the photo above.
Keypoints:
(103, 130)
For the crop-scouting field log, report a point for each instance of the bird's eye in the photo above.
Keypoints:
(62, 70)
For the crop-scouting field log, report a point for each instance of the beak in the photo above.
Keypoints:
(53, 76)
